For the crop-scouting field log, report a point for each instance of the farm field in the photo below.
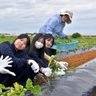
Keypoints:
(7, 38)
(78, 59)
(83, 42)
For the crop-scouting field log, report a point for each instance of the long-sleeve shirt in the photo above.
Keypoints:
(19, 66)
(19, 57)
(35, 56)
(54, 26)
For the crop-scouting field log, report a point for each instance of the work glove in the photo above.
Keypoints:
(4, 62)
(34, 65)
(63, 65)
(46, 71)
(60, 72)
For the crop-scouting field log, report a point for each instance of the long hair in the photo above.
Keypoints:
(49, 51)
(32, 46)
(49, 36)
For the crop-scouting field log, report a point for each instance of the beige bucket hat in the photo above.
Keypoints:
(69, 13)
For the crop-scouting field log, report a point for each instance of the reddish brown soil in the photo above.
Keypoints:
(79, 59)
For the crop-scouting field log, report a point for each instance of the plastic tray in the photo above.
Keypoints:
(66, 47)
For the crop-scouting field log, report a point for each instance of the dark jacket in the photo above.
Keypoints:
(37, 56)
(19, 65)
(18, 57)
(50, 52)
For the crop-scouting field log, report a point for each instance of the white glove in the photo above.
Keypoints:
(62, 64)
(5, 63)
(60, 72)
(34, 65)
(47, 71)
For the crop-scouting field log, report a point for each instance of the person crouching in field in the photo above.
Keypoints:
(21, 65)
(37, 53)
(48, 52)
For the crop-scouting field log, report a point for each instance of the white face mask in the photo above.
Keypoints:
(38, 45)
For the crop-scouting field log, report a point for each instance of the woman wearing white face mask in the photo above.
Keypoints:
(36, 52)
(38, 45)
(36, 49)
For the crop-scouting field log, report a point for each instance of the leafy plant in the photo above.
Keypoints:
(53, 65)
(58, 39)
(19, 90)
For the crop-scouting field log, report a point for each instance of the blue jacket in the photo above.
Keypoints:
(19, 57)
(36, 55)
(19, 66)
(50, 52)
(53, 26)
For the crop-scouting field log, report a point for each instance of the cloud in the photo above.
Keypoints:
(40, 7)
(31, 14)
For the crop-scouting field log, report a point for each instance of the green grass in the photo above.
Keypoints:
(86, 42)
(7, 38)
(83, 42)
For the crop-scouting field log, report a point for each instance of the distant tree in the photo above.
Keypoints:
(76, 35)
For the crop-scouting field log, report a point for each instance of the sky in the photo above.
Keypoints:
(27, 16)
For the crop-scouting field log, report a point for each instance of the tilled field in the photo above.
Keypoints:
(79, 59)
(74, 61)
